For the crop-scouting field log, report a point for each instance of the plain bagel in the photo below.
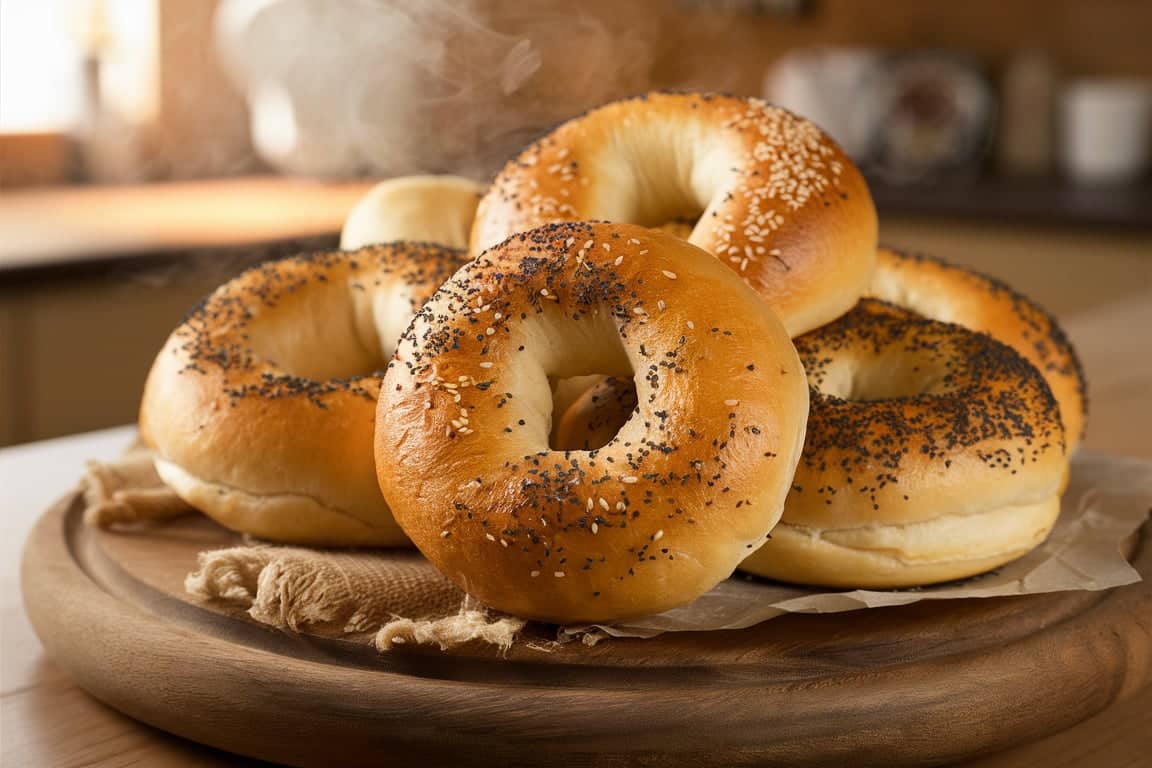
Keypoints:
(767, 192)
(651, 520)
(261, 405)
(429, 209)
(946, 292)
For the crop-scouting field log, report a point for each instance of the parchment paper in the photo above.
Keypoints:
(1107, 500)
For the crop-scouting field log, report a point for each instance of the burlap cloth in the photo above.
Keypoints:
(393, 597)
(386, 597)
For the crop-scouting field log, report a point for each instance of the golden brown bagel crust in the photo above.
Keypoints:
(922, 437)
(653, 519)
(777, 199)
(942, 291)
(256, 409)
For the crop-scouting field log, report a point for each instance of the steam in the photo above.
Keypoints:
(389, 87)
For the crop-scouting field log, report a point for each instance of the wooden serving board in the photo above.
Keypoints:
(921, 684)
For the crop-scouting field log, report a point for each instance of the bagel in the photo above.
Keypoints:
(933, 453)
(431, 209)
(260, 407)
(769, 193)
(946, 292)
(651, 520)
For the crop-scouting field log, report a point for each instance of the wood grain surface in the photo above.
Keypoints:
(916, 685)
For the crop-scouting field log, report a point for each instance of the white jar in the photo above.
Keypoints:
(1106, 134)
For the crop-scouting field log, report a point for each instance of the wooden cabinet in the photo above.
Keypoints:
(74, 351)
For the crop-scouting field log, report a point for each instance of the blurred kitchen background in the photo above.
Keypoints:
(149, 149)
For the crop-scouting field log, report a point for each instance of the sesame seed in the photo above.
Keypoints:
(490, 330)
(658, 535)
(445, 534)
(487, 364)
(543, 291)
(691, 325)
(630, 479)
(589, 505)
(534, 574)
(619, 260)
(503, 543)
(669, 275)
(661, 305)
(490, 537)
(559, 574)
(595, 528)
(603, 503)
(730, 403)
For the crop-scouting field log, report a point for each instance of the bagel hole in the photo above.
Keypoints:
(894, 376)
(663, 176)
(597, 406)
(568, 353)
(680, 227)
(324, 332)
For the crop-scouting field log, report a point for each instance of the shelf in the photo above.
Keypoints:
(1046, 202)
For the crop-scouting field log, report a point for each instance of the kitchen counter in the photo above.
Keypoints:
(43, 228)
(49, 721)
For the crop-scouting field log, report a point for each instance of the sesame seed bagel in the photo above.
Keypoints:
(942, 291)
(769, 193)
(651, 520)
(932, 453)
(429, 209)
(260, 407)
